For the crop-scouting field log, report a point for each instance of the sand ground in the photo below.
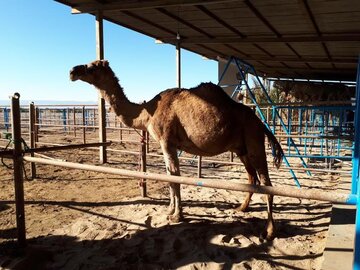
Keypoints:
(85, 220)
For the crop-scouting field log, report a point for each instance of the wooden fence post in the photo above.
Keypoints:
(84, 124)
(147, 142)
(37, 127)
(74, 120)
(120, 133)
(142, 182)
(18, 170)
(199, 166)
(32, 137)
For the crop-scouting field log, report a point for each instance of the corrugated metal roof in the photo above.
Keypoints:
(315, 39)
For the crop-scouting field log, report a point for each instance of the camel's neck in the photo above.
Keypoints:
(131, 114)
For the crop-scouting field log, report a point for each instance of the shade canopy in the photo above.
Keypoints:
(303, 39)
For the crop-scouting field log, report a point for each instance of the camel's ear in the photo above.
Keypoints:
(105, 63)
(97, 63)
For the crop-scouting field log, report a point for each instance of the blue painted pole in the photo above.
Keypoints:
(356, 263)
(64, 118)
(356, 154)
(6, 119)
(306, 130)
(274, 118)
(289, 128)
(300, 122)
(238, 62)
(355, 187)
(262, 117)
(322, 128)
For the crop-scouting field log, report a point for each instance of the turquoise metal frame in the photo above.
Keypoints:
(354, 196)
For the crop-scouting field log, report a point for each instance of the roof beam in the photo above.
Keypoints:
(257, 13)
(308, 13)
(144, 20)
(220, 21)
(286, 39)
(306, 70)
(184, 22)
(248, 57)
(91, 7)
(268, 24)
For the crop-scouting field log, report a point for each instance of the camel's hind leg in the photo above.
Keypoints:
(260, 164)
(269, 232)
(252, 178)
(262, 169)
(173, 168)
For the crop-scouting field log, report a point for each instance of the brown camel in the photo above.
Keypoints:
(202, 121)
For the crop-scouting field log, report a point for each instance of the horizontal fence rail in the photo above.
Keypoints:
(208, 182)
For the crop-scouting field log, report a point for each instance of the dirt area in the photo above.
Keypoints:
(84, 220)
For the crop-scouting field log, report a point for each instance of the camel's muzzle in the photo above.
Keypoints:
(77, 72)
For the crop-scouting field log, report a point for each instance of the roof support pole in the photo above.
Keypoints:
(178, 65)
(101, 101)
(355, 188)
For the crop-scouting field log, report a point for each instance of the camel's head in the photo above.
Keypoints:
(91, 72)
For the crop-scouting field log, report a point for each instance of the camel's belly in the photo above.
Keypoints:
(205, 146)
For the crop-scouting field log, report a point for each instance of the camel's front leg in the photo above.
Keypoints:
(172, 168)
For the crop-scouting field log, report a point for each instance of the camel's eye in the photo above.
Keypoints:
(90, 69)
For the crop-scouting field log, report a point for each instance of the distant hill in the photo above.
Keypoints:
(25, 102)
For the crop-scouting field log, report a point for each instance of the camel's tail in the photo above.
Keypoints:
(278, 152)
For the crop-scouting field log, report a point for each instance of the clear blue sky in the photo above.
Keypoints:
(41, 41)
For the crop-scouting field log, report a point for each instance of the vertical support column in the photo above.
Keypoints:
(178, 63)
(355, 187)
(101, 101)
(32, 137)
(102, 129)
(18, 171)
(142, 182)
(356, 153)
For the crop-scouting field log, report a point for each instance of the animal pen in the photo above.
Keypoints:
(313, 139)
(319, 136)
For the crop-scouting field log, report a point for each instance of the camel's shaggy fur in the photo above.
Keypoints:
(202, 121)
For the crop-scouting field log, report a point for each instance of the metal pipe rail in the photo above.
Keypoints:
(9, 153)
(208, 182)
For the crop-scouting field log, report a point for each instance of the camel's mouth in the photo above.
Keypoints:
(73, 77)
(77, 72)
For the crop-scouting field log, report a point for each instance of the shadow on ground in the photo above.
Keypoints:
(167, 247)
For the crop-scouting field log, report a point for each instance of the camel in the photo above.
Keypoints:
(202, 120)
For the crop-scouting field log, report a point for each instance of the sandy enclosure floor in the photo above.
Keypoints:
(84, 220)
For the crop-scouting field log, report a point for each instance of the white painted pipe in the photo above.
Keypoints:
(320, 195)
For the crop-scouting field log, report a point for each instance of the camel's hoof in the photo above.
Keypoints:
(174, 218)
(266, 237)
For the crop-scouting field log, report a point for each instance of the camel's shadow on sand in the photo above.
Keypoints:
(196, 241)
